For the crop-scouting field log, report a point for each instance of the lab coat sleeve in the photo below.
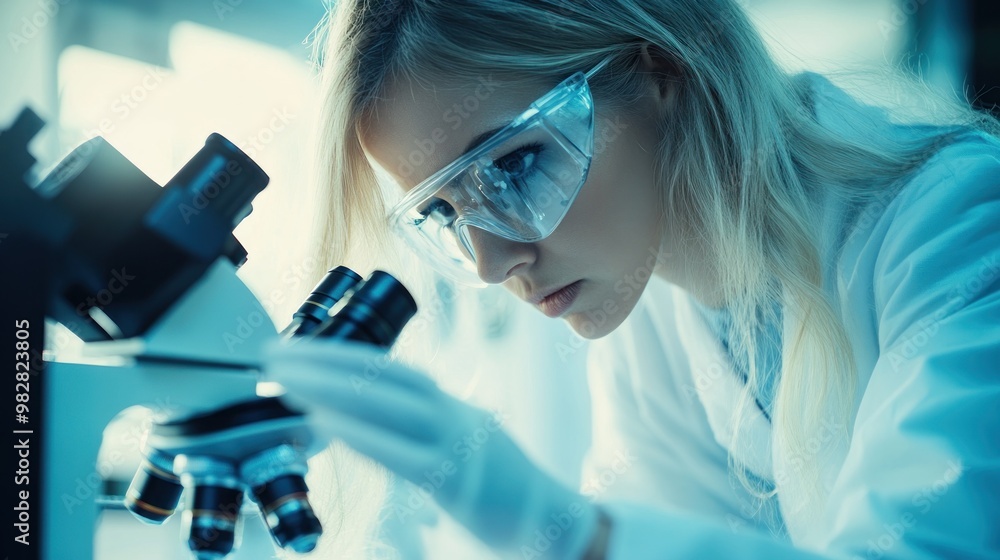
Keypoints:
(921, 478)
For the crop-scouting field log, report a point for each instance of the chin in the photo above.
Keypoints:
(592, 325)
(603, 311)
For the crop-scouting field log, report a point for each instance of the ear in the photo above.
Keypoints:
(661, 68)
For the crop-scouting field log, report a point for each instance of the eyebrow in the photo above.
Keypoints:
(479, 139)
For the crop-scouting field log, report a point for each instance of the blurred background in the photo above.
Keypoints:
(155, 77)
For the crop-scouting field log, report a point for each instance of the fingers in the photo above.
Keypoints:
(397, 452)
(356, 379)
(365, 363)
(386, 405)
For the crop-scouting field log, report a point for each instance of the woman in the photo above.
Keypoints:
(787, 286)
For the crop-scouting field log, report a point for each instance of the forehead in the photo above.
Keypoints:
(417, 128)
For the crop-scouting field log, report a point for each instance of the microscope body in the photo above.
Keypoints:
(180, 368)
(147, 274)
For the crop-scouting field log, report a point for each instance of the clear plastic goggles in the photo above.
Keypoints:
(518, 184)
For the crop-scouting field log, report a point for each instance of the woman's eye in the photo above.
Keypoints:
(521, 162)
(439, 211)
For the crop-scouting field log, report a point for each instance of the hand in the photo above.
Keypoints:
(456, 452)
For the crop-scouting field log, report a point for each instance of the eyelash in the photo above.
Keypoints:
(535, 148)
(432, 206)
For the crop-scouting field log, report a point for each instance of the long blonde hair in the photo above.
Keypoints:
(742, 149)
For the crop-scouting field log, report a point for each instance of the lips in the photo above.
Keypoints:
(555, 303)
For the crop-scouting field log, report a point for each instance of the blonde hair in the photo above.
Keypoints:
(742, 151)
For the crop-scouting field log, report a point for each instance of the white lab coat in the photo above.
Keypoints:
(917, 281)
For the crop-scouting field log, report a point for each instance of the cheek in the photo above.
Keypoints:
(617, 214)
(619, 219)
(585, 235)
(598, 222)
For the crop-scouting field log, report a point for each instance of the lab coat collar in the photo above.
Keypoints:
(719, 388)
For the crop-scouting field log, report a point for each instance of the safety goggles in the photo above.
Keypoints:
(518, 184)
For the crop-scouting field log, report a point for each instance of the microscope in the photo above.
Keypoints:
(146, 276)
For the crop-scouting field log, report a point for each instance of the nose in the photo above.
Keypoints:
(497, 258)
